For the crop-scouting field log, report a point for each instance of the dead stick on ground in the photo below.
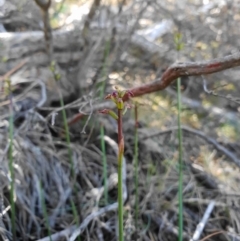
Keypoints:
(203, 222)
(210, 140)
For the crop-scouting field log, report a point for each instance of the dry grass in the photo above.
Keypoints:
(40, 157)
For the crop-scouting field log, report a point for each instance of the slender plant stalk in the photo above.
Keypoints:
(66, 128)
(104, 159)
(136, 164)
(72, 171)
(45, 214)
(179, 46)
(120, 188)
(180, 187)
(13, 211)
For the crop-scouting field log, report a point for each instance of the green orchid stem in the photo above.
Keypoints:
(180, 187)
(120, 188)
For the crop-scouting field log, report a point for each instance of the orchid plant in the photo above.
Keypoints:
(117, 97)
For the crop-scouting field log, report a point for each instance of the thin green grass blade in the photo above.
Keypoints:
(66, 128)
(57, 77)
(45, 214)
(104, 159)
(178, 40)
(10, 153)
(136, 166)
(73, 174)
(75, 214)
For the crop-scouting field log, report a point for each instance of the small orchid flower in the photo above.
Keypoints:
(117, 97)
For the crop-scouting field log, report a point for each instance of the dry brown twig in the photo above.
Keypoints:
(210, 140)
(213, 92)
(13, 70)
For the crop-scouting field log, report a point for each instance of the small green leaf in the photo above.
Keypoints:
(109, 112)
(57, 77)
(180, 46)
(178, 41)
(52, 66)
(113, 114)
(125, 110)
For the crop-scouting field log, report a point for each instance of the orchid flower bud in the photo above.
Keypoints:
(120, 104)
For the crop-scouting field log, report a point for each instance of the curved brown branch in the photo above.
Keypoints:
(187, 69)
(180, 70)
